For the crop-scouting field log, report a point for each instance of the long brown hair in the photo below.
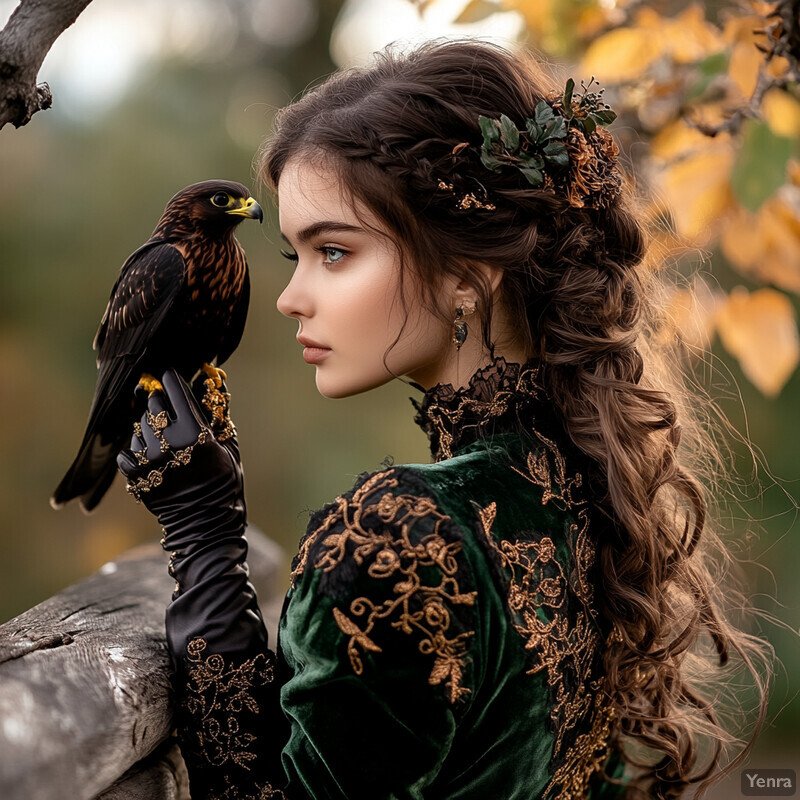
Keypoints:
(576, 288)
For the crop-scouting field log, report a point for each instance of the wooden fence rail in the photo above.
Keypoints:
(85, 706)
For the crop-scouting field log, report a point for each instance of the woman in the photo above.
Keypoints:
(516, 619)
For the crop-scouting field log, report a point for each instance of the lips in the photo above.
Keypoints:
(310, 343)
(313, 352)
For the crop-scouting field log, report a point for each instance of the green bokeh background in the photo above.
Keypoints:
(76, 197)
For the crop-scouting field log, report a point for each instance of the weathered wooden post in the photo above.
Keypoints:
(85, 707)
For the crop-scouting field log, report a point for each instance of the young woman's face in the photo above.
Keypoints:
(345, 292)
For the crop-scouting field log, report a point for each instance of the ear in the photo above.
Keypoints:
(463, 290)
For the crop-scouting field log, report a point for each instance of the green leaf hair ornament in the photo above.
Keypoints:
(563, 145)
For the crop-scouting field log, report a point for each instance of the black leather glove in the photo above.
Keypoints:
(184, 465)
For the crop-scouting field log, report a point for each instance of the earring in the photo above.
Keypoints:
(460, 329)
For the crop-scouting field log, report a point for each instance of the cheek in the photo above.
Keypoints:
(384, 321)
(367, 308)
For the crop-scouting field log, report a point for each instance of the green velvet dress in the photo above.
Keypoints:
(440, 637)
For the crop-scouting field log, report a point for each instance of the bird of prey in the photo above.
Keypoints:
(180, 302)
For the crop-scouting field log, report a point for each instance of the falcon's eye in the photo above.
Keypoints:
(220, 199)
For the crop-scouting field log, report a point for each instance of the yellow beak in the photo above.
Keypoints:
(248, 208)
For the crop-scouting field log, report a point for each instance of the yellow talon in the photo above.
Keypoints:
(150, 384)
(216, 374)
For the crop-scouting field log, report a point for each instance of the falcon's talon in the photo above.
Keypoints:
(216, 374)
(150, 384)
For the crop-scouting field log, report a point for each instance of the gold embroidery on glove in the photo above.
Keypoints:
(157, 423)
(218, 403)
(216, 694)
(261, 792)
(155, 477)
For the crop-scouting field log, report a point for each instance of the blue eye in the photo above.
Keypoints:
(331, 259)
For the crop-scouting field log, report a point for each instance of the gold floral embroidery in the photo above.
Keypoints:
(395, 551)
(216, 694)
(586, 756)
(560, 644)
(451, 417)
(339, 512)
(547, 468)
(446, 420)
(259, 792)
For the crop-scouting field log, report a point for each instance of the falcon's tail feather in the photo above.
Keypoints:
(90, 474)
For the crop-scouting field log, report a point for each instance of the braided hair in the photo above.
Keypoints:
(403, 136)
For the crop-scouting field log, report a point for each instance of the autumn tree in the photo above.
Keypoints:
(709, 111)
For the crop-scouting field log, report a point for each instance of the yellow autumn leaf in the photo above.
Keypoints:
(745, 58)
(678, 139)
(692, 37)
(591, 21)
(793, 171)
(765, 245)
(741, 239)
(697, 190)
(710, 115)
(780, 260)
(782, 113)
(620, 55)
(539, 14)
(476, 10)
(742, 34)
(686, 37)
(624, 53)
(760, 331)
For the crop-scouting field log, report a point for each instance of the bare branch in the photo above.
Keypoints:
(733, 124)
(24, 42)
(782, 29)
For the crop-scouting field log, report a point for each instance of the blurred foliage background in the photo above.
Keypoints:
(150, 97)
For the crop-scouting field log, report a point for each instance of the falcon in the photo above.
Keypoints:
(180, 302)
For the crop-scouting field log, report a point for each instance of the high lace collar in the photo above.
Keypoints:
(500, 397)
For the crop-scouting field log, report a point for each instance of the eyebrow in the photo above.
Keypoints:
(326, 226)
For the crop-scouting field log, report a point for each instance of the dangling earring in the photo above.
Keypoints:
(460, 329)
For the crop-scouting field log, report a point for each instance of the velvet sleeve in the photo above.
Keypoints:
(380, 644)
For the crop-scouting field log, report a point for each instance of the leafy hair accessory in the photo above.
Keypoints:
(562, 146)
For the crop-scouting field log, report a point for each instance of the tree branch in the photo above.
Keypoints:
(24, 42)
(782, 29)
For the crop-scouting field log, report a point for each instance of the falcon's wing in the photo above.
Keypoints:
(141, 298)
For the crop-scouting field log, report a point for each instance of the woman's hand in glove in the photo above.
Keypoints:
(179, 454)
(183, 464)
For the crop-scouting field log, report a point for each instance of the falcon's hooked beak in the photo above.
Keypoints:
(248, 208)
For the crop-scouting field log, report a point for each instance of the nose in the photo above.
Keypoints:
(295, 300)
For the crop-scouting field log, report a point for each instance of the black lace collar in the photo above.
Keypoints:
(500, 397)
